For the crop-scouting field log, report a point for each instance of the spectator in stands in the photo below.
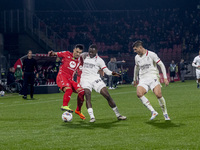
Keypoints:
(172, 71)
(112, 65)
(18, 76)
(182, 70)
(28, 68)
(56, 67)
(14, 86)
(41, 78)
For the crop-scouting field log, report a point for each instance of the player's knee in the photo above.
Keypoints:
(66, 89)
(159, 95)
(139, 94)
(87, 94)
(81, 92)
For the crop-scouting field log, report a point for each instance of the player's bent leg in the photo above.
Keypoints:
(141, 91)
(80, 100)
(66, 98)
(198, 81)
(107, 96)
(89, 104)
(88, 98)
(111, 103)
(161, 100)
(157, 91)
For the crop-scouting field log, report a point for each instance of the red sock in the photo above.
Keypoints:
(80, 100)
(67, 97)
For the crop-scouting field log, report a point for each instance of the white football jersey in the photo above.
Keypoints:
(197, 61)
(147, 64)
(91, 66)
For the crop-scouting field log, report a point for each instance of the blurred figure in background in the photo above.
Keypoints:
(182, 70)
(11, 82)
(28, 68)
(172, 71)
(18, 76)
(112, 66)
(196, 64)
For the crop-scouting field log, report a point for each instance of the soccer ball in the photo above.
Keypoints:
(67, 116)
(2, 93)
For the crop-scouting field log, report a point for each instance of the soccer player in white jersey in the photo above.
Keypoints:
(90, 79)
(196, 63)
(145, 65)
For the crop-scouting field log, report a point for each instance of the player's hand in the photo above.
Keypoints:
(116, 74)
(51, 53)
(135, 83)
(166, 82)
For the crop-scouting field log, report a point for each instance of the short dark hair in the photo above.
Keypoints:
(93, 46)
(80, 46)
(137, 43)
(30, 51)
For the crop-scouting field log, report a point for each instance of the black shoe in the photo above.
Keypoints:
(24, 97)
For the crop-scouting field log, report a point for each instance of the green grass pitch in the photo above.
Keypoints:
(37, 124)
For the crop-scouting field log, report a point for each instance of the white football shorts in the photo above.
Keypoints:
(96, 84)
(198, 73)
(149, 83)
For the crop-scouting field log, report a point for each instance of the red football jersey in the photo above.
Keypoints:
(69, 64)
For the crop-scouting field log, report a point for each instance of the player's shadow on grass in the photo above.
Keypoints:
(88, 125)
(164, 125)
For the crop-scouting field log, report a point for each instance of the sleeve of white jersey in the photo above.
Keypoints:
(135, 74)
(163, 69)
(84, 55)
(136, 70)
(156, 59)
(102, 65)
(194, 63)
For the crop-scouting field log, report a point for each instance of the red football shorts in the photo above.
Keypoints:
(62, 81)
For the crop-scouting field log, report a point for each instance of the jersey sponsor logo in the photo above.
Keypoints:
(145, 66)
(72, 64)
(80, 67)
(88, 65)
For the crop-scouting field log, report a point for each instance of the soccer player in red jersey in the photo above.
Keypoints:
(70, 63)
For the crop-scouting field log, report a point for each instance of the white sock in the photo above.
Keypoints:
(163, 105)
(115, 109)
(146, 103)
(90, 112)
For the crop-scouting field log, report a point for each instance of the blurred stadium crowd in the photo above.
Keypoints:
(173, 33)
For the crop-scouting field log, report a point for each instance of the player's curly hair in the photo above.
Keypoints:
(93, 46)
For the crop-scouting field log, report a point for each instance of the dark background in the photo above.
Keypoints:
(100, 4)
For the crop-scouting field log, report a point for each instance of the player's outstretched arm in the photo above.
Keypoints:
(84, 55)
(116, 74)
(52, 53)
